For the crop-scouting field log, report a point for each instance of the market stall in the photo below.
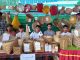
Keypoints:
(27, 17)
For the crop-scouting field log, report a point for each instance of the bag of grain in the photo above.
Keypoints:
(28, 46)
(48, 39)
(57, 37)
(64, 42)
(20, 42)
(55, 48)
(76, 41)
(17, 50)
(7, 47)
(39, 46)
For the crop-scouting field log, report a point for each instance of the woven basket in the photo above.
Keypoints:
(47, 19)
(48, 39)
(7, 47)
(34, 25)
(41, 19)
(56, 38)
(17, 50)
(42, 46)
(30, 43)
(29, 48)
(76, 41)
(54, 47)
(20, 42)
(64, 43)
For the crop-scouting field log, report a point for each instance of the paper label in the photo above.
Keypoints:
(26, 47)
(50, 48)
(27, 57)
(46, 47)
(37, 46)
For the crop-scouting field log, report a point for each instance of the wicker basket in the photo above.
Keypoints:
(20, 42)
(64, 43)
(76, 41)
(41, 19)
(39, 46)
(28, 46)
(34, 24)
(7, 47)
(47, 19)
(17, 50)
(48, 39)
(54, 47)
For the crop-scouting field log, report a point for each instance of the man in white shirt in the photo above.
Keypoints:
(7, 34)
(37, 33)
(21, 34)
(66, 31)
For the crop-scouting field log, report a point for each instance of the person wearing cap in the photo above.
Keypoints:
(21, 34)
(3, 24)
(36, 34)
(49, 32)
(65, 31)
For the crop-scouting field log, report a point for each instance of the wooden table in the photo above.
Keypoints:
(39, 56)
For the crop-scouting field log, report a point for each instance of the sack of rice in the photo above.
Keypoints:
(41, 19)
(17, 50)
(7, 47)
(55, 47)
(39, 46)
(48, 39)
(28, 46)
(64, 42)
(20, 42)
(15, 42)
(57, 37)
(76, 41)
(48, 47)
(41, 39)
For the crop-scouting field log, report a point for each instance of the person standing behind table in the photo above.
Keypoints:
(36, 34)
(3, 24)
(49, 32)
(21, 34)
(65, 31)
